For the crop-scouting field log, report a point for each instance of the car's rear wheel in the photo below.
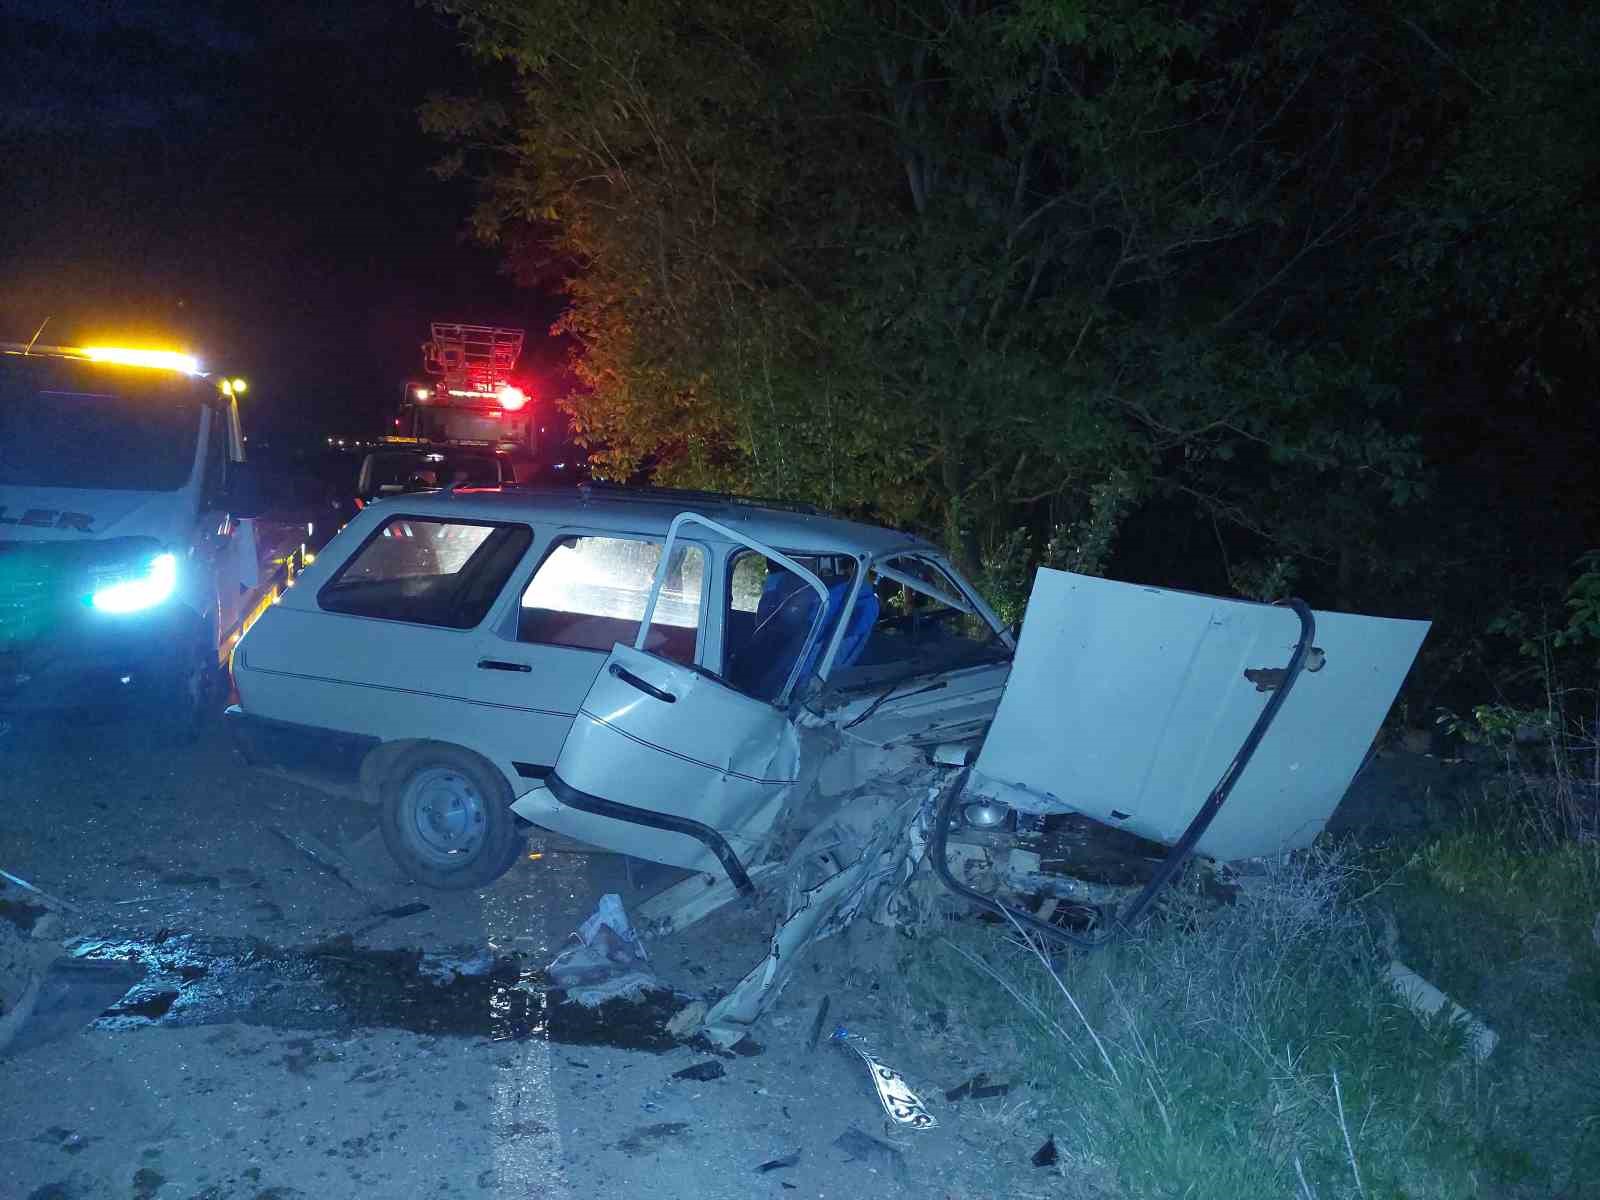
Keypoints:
(446, 818)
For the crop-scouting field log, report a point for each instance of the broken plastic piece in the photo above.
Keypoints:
(977, 1088)
(1426, 1001)
(23, 883)
(701, 1072)
(822, 1015)
(1047, 1155)
(777, 1164)
(862, 1147)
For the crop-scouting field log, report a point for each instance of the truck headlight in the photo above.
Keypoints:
(139, 587)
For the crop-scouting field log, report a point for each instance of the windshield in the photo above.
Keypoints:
(396, 471)
(67, 427)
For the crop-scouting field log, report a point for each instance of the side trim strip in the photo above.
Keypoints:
(692, 761)
(712, 840)
(384, 687)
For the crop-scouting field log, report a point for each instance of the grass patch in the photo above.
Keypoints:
(1509, 925)
(1257, 1049)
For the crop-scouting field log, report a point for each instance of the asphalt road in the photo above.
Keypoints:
(278, 1047)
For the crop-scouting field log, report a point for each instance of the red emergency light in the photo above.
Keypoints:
(511, 398)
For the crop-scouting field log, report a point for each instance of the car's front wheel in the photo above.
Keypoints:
(446, 818)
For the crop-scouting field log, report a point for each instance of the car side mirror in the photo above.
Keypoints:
(244, 496)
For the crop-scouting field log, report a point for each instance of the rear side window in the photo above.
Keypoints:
(428, 571)
(590, 593)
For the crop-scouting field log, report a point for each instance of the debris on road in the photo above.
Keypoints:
(390, 914)
(1047, 1155)
(817, 1023)
(777, 1164)
(320, 855)
(68, 996)
(977, 1088)
(687, 1019)
(701, 1072)
(40, 892)
(864, 1148)
(902, 1104)
(609, 960)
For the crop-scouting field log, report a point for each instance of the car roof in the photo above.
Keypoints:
(651, 510)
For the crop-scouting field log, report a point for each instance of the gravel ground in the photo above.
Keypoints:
(272, 1093)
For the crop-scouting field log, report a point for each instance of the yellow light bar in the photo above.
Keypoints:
(166, 360)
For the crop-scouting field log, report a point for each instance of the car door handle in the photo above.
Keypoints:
(495, 664)
(648, 688)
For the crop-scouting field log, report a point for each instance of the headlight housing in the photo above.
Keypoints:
(134, 586)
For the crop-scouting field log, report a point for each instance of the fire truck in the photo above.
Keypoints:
(469, 397)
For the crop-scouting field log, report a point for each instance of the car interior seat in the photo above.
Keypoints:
(785, 614)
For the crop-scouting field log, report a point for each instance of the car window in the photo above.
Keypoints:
(590, 593)
(923, 620)
(428, 571)
(771, 613)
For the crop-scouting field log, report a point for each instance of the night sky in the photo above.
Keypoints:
(250, 182)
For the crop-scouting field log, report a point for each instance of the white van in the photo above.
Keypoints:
(130, 562)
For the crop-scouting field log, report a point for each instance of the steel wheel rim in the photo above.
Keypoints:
(445, 816)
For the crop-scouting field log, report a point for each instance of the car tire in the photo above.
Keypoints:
(194, 696)
(446, 818)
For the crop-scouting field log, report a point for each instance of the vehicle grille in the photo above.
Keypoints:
(25, 605)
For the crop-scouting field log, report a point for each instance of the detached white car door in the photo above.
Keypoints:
(669, 761)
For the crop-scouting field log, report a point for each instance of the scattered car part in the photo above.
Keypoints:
(1047, 1155)
(66, 997)
(977, 1088)
(902, 1104)
(777, 1164)
(1427, 1002)
(702, 1072)
(817, 1023)
(40, 892)
(876, 1154)
(390, 914)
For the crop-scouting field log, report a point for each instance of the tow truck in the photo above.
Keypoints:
(134, 552)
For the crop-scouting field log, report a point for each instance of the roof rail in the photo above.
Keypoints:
(689, 495)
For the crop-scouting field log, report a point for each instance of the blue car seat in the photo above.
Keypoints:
(784, 615)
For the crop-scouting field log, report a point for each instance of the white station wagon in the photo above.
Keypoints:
(771, 698)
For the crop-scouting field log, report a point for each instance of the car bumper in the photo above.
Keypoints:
(97, 663)
(325, 754)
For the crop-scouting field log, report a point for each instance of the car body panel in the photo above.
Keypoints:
(710, 754)
(1127, 703)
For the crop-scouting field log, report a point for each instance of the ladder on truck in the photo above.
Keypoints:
(475, 358)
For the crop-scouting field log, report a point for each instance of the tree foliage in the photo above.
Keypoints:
(967, 263)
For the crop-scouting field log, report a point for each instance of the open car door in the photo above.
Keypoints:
(671, 762)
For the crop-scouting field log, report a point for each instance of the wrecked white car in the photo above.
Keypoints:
(794, 708)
